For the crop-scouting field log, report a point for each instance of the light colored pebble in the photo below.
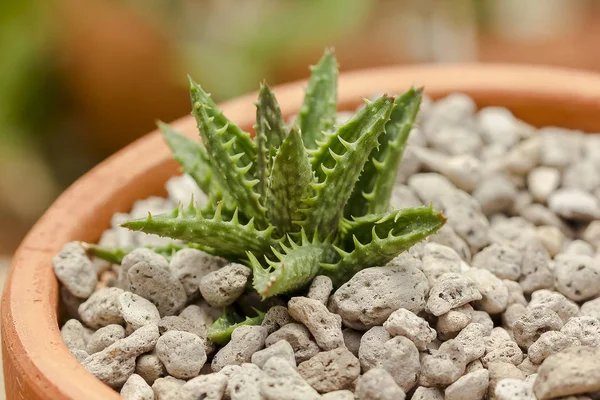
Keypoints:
(585, 330)
(502, 260)
(275, 318)
(104, 337)
(177, 323)
(205, 387)
(326, 327)
(401, 360)
(283, 382)
(75, 335)
(514, 389)
(74, 270)
(102, 308)
(136, 388)
(551, 238)
(454, 320)
(542, 181)
(339, 395)
(506, 351)
(499, 371)
(447, 237)
(299, 337)
(555, 301)
(141, 254)
(559, 147)
(80, 355)
(198, 315)
(591, 308)
(331, 370)
(445, 366)
(495, 193)
(579, 247)
(373, 294)
(484, 319)
(403, 197)
(471, 340)
(437, 260)
(493, 291)
(534, 268)
(583, 174)
(372, 350)
(515, 231)
(574, 204)
(378, 384)
(512, 314)
(428, 393)
(515, 292)
(549, 343)
(528, 367)
(136, 310)
(158, 285)
(531, 325)
(281, 349)
(245, 341)
(320, 289)
(245, 383)
(182, 353)
(571, 371)
(577, 276)
(191, 265)
(471, 386)
(352, 340)
(451, 290)
(222, 287)
(540, 215)
(524, 156)
(497, 125)
(406, 323)
(167, 388)
(591, 234)
(149, 367)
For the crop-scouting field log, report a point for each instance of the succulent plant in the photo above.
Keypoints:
(300, 200)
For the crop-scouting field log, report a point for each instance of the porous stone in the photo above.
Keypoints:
(331, 370)
(499, 371)
(352, 340)
(191, 265)
(551, 238)
(515, 231)
(542, 181)
(205, 387)
(484, 319)
(244, 383)
(549, 343)
(515, 293)
(178, 323)
(372, 350)
(320, 289)
(283, 382)
(80, 355)
(222, 287)
(199, 315)
(524, 156)
(559, 147)
(245, 341)
(534, 268)
(514, 389)
(585, 330)
(471, 386)
(428, 393)
(506, 351)
(281, 349)
(591, 308)
(555, 301)
(493, 291)
(471, 340)
(528, 328)
(502, 260)
(574, 204)
(326, 327)
(495, 193)
(403, 197)
(591, 234)
(450, 291)
(401, 360)
(299, 337)
(104, 337)
(577, 276)
(182, 353)
(167, 388)
(116, 363)
(406, 323)
(454, 320)
(540, 215)
(141, 254)
(378, 384)
(159, 286)
(583, 174)
(149, 367)
(447, 237)
(528, 367)
(75, 335)
(580, 247)
(512, 314)
(136, 388)
(101, 308)
(438, 260)
(373, 294)
(572, 371)
(462, 170)
(338, 395)
(275, 318)
(136, 310)
(445, 366)
(74, 270)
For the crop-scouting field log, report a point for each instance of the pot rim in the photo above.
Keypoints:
(37, 363)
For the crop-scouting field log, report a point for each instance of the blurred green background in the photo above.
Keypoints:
(80, 79)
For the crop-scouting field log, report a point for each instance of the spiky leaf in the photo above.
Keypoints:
(228, 237)
(318, 111)
(115, 255)
(270, 133)
(289, 182)
(193, 159)
(373, 190)
(375, 239)
(220, 331)
(243, 143)
(294, 269)
(236, 179)
(338, 162)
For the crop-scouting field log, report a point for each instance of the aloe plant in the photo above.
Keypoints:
(301, 200)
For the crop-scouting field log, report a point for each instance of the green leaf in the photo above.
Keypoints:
(270, 133)
(289, 183)
(338, 163)
(220, 331)
(193, 159)
(115, 255)
(373, 190)
(318, 111)
(294, 269)
(243, 143)
(375, 239)
(228, 237)
(221, 149)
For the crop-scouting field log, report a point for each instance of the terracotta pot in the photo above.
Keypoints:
(37, 365)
